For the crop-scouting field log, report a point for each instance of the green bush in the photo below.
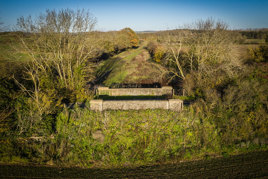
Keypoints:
(259, 54)
(157, 51)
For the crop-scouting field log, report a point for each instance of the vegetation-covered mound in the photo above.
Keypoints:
(60, 60)
(131, 67)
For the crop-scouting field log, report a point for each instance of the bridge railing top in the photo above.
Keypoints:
(165, 90)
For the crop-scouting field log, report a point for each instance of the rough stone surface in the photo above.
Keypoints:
(165, 90)
(175, 104)
(171, 104)
(135, 104)
(96, 105)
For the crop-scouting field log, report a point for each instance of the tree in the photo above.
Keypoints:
(1, 26)
(131, 36)
(202, 53)
(214, 61)
(58, 42)
(175, 58)
(134, 40)
(59, 49)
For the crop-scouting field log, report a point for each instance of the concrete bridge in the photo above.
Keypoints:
(133, 104)
(164, 91)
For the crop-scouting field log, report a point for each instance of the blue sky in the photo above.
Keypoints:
(147, 14)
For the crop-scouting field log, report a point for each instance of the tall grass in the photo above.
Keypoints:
(129, 137)
(132, 138)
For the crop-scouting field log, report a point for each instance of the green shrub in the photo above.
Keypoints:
(259, 54)
(157, 51)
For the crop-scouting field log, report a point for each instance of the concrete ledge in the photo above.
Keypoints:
(171, 104)
(96, 105)
(175, 104)
(165, 90)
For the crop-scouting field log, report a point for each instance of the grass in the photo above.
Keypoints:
(11, 54)
(11, 49)
(130, 67)
(254, 41)
(121, 67)
(130, 138)
(128, 55)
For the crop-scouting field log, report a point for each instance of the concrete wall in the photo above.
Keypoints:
(165, 90)
(171, 104)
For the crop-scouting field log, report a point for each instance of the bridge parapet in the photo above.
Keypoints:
(165, 90)
(170, 104)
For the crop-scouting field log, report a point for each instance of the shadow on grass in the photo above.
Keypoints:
(104, 71)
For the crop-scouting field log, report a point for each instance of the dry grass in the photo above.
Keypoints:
(241, 51)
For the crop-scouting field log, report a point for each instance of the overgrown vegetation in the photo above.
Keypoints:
(57, 60)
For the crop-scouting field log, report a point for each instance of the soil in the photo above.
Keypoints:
(252, 165)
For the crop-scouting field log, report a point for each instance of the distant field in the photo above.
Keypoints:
(254, 41)
(12, 56)
(10, 48)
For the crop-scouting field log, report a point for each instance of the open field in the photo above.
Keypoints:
(12, 57)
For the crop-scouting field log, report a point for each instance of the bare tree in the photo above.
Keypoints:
(59, 48)
(175, 54)
(206, 48)
(58, 40)
(1, 26)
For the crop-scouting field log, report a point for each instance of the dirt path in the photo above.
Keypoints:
(253, 165)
